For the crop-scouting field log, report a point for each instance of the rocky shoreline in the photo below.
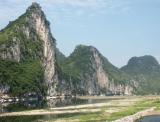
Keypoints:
(133, 118)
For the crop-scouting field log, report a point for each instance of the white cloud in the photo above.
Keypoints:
(78, 3)
(58, 9)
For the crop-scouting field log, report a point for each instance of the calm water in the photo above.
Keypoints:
(37, 118)
(30, 105)
(152, 118)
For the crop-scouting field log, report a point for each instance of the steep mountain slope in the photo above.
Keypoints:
(27, 55)
(146, 71)
(60, 57)
(94, 73)
(30, 63)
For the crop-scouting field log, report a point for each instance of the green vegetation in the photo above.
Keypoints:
(22, 78)
(76, 69)
(146, 71)
(116, 75)
(25, 76)
(12, 30)
(60, 57)
(78, 62)
(79, 65)
(103, 116)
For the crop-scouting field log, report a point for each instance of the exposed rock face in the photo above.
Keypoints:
(32, 40)
(100, 83)
(29, 42)
(102, 77)
(96, 74)
(119, 89)
(11, 52)
(99, 79)
(38, 22)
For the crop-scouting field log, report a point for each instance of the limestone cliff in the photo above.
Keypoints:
(95, 75)
(38, 22)
(29, 39)
(31, 63)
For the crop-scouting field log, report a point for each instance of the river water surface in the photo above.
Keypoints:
(52, 103)
(152, 118)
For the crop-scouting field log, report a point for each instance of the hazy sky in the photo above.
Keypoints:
(119, 29)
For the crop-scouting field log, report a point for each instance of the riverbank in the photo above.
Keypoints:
(133, 118)
(113, 109)
(87, 108)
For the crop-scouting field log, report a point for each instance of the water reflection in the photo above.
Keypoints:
(36, 118)
(64, 102)
(6, 107)
(51, 103)
(35, 104)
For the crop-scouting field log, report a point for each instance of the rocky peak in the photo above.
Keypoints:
(35, 8)
(87, 49)
(90, 64)
(36, 19)
(31, 38)
(38, 22)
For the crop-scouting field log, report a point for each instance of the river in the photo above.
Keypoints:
(52, 103)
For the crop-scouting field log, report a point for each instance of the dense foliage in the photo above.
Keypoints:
(22, 77)
(146, 71)
(25, 76)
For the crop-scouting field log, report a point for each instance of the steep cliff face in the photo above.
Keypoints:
(38, 22)
(95, 75)
(31, 63)
(28, 39)
(96, 79)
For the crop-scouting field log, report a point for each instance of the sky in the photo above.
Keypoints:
(119, 29)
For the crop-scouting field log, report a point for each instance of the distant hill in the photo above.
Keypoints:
(146, 70)
(97, 75)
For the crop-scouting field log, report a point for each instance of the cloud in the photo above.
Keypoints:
(93, 4)
(81, 7)
(62, 9)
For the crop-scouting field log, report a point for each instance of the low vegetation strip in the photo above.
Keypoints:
(133, 118)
